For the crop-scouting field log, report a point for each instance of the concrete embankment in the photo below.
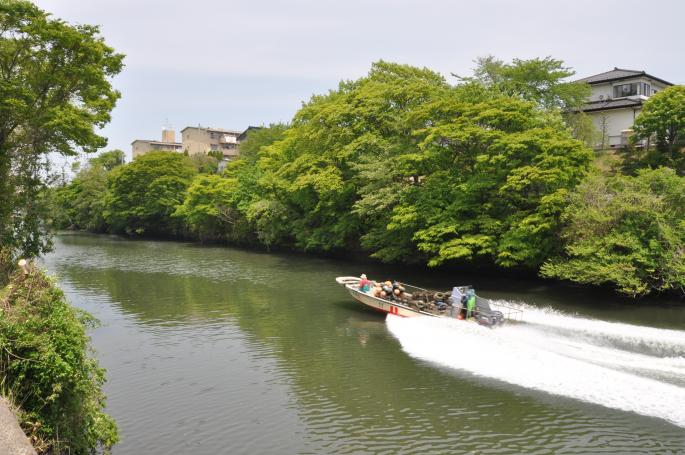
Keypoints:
(13, 441)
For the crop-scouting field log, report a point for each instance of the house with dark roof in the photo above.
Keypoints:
(616, 99)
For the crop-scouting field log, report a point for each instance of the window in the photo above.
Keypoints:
(213, 147)
(624, 90)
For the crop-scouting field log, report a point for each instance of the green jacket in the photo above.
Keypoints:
(470, 305)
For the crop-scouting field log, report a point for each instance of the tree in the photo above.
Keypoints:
(54, 93)
(108, 160)
(663, 116)
(626, 232)
(539, 80)
(260, 137)
(208, 209)
(416, 170)
(143, 194)
(498, 184)
(206, 163)
(81, 202)
(310, 178)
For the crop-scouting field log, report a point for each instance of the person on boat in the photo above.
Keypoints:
(364, 283)
(470, 303)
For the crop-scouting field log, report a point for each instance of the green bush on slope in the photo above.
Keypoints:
(627, 232)
(46, 370)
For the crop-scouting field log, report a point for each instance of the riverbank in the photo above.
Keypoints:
(46, 368)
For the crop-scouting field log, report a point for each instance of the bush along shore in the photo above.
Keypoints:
(47, 372)
(408, 168)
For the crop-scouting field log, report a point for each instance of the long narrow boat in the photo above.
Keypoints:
(415, 301)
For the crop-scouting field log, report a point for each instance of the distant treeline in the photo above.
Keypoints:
(408, 168)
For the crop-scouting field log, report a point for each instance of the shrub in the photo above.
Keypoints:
(45, 369)
(627, 232)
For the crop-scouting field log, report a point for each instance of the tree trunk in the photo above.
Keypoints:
(6, 197)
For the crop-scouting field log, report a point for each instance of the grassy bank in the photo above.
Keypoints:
(47, 371)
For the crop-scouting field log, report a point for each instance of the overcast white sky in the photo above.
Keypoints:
(234, 63)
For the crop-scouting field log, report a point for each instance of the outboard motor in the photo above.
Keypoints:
(487, 316)
(490, 319)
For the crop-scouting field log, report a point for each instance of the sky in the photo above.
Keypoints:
(235, 63)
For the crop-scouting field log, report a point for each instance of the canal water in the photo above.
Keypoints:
(214, 350)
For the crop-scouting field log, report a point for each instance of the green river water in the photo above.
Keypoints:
(213, 350)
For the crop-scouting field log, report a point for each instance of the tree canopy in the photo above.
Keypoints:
(663, 116)
(539, 80)
(142, 196)
(417, 170)
(627, 232)
(55, 92)
(406, 167)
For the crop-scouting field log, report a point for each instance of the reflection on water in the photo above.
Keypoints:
(219, 350)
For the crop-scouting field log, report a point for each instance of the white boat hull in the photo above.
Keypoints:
(351, 284)
(483, 314)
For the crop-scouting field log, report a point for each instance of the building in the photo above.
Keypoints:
(244, 134)
(195, 140)
(616, 99)
(168, 143)
(198, 139)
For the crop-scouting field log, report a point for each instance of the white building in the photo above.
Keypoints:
(616, 100)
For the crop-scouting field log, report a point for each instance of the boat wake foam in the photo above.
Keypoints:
(621, 366)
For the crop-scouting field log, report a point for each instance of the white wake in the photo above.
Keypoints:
(621, 366)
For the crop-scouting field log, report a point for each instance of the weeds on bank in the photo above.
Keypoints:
(46, 369)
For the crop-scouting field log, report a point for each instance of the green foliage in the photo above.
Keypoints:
(627, 232)
(539, 80)
(206, 164)
(54, 94)
(415, 170)
(143, 195)
(258, 138)
(501, 188)
(46, 371)
(663, 116)
(208, 209)
(108, 160)
(408, 168)
(216, 154)
(81, 203)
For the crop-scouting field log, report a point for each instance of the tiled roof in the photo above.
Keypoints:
(610, 104)
(618, 74)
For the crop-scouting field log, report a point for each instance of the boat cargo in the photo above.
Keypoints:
(405, 300)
